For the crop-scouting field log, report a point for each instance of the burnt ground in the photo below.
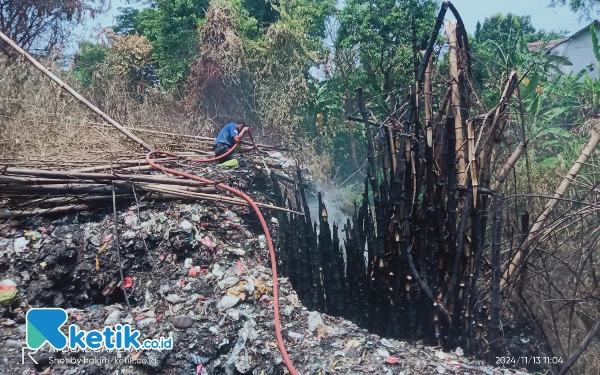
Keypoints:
(220, 319)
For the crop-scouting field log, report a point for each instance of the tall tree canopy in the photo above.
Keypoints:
(385, 32)
(43, 23)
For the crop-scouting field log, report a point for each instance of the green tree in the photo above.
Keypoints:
(87, 59)
(171, 27)
(386, 34)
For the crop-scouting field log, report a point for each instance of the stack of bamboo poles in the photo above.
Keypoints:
(32, 189)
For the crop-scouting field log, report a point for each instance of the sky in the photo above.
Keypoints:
(471, 11)
(542, 16)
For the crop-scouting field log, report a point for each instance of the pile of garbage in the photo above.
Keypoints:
(197, 273)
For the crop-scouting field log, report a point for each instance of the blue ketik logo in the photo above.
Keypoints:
(44, 325)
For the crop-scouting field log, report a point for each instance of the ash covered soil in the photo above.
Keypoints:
(196, 272)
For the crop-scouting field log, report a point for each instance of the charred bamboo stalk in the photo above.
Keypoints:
(496, 275)
(452, 201)
(432, 39)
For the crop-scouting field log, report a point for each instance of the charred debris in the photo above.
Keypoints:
(420, 258)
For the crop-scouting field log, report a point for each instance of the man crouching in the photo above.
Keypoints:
(231, 134)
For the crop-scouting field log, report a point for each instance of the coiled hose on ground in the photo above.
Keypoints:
(263, 223)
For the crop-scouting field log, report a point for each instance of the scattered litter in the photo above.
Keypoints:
(186, 226)
(441, 355)
(173, 298)
(351, 344)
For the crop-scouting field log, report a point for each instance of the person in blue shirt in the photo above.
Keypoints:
(231, 134)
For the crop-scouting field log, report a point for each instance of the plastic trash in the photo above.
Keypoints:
(228, 302)
(208, 243)
(262, 241)
(173, 298)
(230, 163)
(228, 282)
(288, 310)
(8, 291)
(441, 355)
(186, 226)
(127, 283)
(20, 244)
(351, 344)
(386, 343)
(250, 286)
(295, 335)
(391, 360)
(314, 319)
(232, 362)
(217, 271)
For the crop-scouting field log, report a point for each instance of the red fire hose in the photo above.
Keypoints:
(284, 354)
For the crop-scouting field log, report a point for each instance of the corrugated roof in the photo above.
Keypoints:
(535, 46)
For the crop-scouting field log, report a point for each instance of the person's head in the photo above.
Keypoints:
(240, 124)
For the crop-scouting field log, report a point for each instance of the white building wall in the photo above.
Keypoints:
(580, 53)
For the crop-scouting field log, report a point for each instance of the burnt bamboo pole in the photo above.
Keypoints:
(496, 275)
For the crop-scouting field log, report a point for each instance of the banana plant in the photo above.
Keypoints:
(592, 86)
(552, 106)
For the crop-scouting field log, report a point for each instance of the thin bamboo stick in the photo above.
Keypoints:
(510, 164)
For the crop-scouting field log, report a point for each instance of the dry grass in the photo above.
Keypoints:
(560, 283)
(40, 121)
